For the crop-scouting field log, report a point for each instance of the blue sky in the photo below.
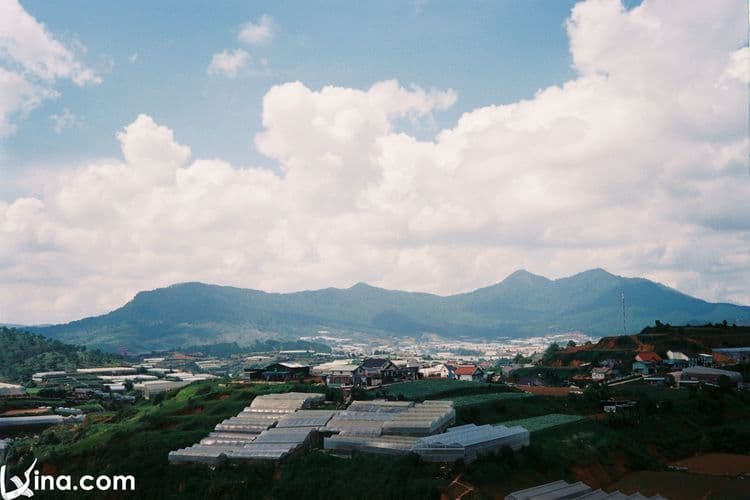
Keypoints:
(489, 52)
(430, 146)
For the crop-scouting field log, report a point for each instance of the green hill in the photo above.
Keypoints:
(23, 353)
(522, 305)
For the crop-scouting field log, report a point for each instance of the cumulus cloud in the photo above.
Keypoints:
(257, 33)
(228, 63)
(31, 59)
(638, 165)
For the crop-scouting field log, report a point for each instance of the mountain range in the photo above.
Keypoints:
(524, 304)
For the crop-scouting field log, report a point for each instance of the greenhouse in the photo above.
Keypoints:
(470, 441)
(251, 434)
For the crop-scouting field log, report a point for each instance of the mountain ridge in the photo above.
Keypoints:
(523, 304)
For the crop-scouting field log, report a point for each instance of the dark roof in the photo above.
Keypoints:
(374, 363)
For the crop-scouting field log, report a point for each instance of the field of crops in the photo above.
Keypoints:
(478, 399)
(440, 388)
(543, 422)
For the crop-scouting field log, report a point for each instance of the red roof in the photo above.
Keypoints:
(466, 370)
(648, 356)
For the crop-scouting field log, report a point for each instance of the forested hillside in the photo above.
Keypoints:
(23, 353)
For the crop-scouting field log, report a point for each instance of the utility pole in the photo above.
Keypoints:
(624, 325)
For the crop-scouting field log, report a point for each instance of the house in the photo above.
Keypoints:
(677, 359)
(341, 376)
(646, 363)
(285, 371)
(644, 368)
(601, 374)
(408, 369)
(376, 371)
(470, 373)
(648, 357)
(437, 371)
(252, 374)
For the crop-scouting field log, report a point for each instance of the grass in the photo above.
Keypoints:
(543, 422)
(479, 399)
(419, 390)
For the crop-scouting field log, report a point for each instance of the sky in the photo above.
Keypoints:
(428, 146)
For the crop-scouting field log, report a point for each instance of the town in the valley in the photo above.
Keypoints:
(443, 401)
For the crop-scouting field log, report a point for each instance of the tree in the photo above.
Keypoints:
(571, 343)
(550, 352)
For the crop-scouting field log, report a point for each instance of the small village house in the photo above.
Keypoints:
(470, 373)
(285, 371)
(376, 371)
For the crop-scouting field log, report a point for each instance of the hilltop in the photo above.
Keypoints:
(691, 340)
(523, 304)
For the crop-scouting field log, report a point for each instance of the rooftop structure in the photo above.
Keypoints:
(112, 370)
(9, 390)
(648, 357)
(467, 442)
(736, 354)
(251, 436)
(703, 374)
(40, 420)
(562, 490)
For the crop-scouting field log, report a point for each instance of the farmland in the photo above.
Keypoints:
(543, 422)
(419, 390)
(478, 399)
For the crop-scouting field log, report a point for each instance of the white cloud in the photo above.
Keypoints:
(257, 33)
(31, 60)
(638, 165)
(64, 120)
(228, 63)
(133, 58)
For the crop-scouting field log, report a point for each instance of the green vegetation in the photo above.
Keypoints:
(550, 375)
(534, 424)
(136, 440)
(419, 390)
(479, 399)
(22, 354)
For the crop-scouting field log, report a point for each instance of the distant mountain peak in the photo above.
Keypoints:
(361, 285)
(524, 275)
(597, 271)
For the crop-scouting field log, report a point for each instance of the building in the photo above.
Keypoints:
(408, 369)
(561, 490)
(438, 371)
(376, 371)
(285, 371)
(11, 390)
(342, 376)
(676, 359)
(648, 357)
(644, 368)
(696, 375)
(468, 442)
(470, 373)
(735, 354)
(601, 374)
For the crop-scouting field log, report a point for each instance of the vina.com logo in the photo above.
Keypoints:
(34, 481)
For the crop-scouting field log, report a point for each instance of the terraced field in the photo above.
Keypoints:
(543, 422)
